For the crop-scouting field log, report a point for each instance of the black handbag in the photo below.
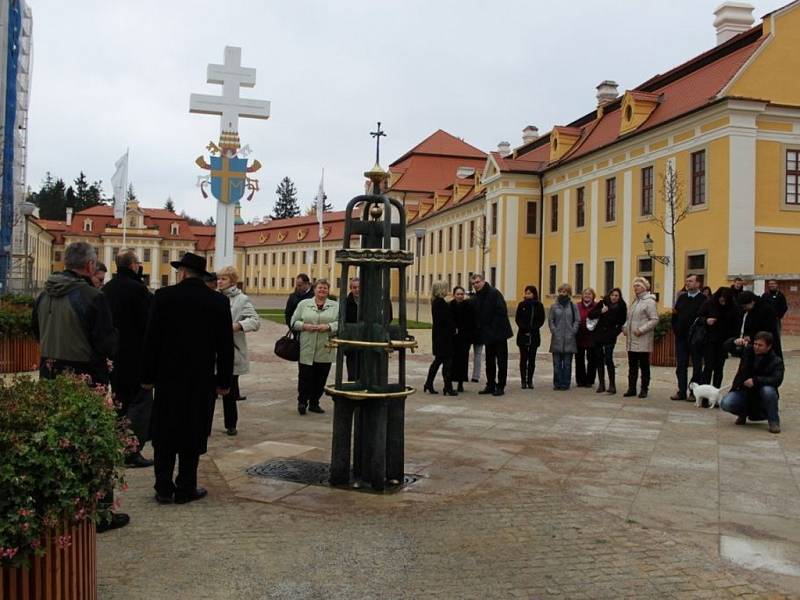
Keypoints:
(698, 332)
(287, 347)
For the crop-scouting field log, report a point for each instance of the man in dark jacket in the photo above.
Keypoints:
(756, 315)
(129, 300)
(754, 392)
(683, 316)
(351, 316)
(188, 357)
(302, 291)
(494, 330)
(72, 321)
(775, 298)
(74, 326)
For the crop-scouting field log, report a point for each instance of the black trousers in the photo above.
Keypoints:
(229, 410)
(585, 366)
(496, 364)
(714, 357)
(527, 363)
(136, 405)
(637, 361)
(351, 362)
(311, 383)
(446, 362)
(604, 357)
(684, 352)
(185, 482)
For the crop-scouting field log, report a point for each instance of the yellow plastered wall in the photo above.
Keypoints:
(527, 248)
(767, 75)
(609, 235)
(772, 255)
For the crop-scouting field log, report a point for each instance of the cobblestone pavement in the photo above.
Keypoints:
(537, 494)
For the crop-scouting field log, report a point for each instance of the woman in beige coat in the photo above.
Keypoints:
(639, 333)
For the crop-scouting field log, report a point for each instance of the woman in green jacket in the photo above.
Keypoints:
(317, 320)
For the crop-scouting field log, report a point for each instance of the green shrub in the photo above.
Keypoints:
(62, 450)
(15, 315)
(664, 324)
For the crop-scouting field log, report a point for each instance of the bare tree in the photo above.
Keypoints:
(675, 209)
(483, 240)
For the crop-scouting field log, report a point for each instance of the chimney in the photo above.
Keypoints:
(731, 19)
(529, 134)
(69, 216)
(504, 148)
(606, 92)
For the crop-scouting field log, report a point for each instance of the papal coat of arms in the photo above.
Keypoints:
(228, 177)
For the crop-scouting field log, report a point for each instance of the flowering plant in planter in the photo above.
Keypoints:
(15, 315)
(63, 449)
(664, 325)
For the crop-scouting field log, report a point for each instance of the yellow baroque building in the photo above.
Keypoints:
(714, 142)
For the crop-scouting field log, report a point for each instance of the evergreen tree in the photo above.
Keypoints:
(170, 205)
(286, 206)
(51, 198)
(210, 222)
(130, 195)
(191, 220)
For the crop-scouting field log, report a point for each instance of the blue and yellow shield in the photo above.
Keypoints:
(228, 178)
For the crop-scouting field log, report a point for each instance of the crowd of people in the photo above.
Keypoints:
(708, 327)
(166, 356)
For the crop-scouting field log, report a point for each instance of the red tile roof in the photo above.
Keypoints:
(688, 87)
(441, 143)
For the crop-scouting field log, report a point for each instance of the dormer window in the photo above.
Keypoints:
(132, 221)
(175, 229)
(562, 140)
(87, 225)
(636, 109)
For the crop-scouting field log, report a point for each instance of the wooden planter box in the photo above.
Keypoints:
(68, 573)
(664, 351)
(18, 354)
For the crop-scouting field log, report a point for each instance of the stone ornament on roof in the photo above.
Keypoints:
(282, 235)
(326, 232)
(302, 233)
(263, 237)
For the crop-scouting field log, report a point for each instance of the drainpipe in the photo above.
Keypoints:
(541, 237)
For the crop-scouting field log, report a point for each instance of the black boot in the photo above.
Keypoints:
(460, 386)
(530, 382)
(316, 408)
(645, 387)
(428, 387)
(601, 382)
(302, 405)
(612, 381)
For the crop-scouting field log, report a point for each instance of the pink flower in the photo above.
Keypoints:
(8, 552)
(98, 495)
(25, 526)
(25, 512)
(116, 504)
(124, 487)
(64, 541)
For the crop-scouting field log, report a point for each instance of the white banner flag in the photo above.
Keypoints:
(119, 183)
(320, 203)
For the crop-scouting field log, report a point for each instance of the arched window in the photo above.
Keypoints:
(175, 229)
(87, 225)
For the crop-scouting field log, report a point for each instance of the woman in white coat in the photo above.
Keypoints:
(245, 319)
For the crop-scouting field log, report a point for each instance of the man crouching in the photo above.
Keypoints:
(754, 393)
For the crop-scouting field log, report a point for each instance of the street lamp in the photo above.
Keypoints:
(420, 233)
(648, 247)
(27, 209)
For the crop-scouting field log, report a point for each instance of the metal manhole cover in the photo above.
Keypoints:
(312, 473)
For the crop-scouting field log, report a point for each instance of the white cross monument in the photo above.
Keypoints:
(229, 106)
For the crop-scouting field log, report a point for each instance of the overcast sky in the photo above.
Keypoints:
(114, 74)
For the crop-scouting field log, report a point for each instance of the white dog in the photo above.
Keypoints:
(705, 391)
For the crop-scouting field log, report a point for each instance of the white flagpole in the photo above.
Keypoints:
(125, 210)
(320, 217)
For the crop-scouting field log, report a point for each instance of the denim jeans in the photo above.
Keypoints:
(683, 353)
(737, 403)
(477, 354)
(562, 370)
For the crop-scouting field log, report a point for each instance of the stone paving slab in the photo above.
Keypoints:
(537, 494)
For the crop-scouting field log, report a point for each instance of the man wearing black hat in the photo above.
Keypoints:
(188, 358)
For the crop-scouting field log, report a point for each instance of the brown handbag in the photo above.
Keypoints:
(287, 347)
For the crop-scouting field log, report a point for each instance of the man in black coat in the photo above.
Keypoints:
(188, 357)
(756, 315)
(494, 330)
(302, 291)
(775, 298)
(129, 300)
(683, 316)
(754, 392)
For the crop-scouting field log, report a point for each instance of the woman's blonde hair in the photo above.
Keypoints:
(230, 273)
(591, 291)
(565, 286)
(322, 281)
(642, 281)
(439, 289)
